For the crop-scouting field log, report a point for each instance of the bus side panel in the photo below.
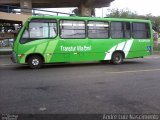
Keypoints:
(140, 48)
(101, 47)
(44, 47)
(70, 50)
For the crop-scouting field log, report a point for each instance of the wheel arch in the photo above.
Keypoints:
(32, 54)
(119, 51)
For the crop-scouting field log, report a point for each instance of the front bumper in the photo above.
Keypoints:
(13, 57)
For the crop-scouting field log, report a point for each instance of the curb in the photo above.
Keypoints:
(5, 52)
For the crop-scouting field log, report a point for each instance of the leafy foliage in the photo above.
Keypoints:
(117, 13)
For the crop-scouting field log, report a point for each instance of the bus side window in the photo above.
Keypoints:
(52, 30)
(120, 30)
(116, 30)
(127, 29)
(140, 30)
(72, 29)
(38, 30)
(98, 29)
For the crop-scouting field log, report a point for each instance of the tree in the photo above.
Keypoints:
(120, 13)
(117, 13)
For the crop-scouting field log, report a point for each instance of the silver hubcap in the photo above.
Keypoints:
(117, 59)
(35, 61)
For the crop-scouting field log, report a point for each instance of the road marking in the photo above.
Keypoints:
(152, 58)
(42, 109)
(9, 65)
(6, 64)
(135, 71)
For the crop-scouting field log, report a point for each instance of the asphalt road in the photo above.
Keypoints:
(81, 87)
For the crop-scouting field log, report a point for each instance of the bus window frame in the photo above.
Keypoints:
(130, 31)
(35, 39)
(149, 30)
(87, 28)
(72, 20)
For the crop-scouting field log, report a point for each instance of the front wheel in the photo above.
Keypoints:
(35, 62)
(117, 58)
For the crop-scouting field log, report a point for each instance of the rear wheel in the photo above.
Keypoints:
(117, 58)
(35, 61)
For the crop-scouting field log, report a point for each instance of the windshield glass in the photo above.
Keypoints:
(40, 29)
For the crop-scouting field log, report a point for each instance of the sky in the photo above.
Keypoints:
(141, 7)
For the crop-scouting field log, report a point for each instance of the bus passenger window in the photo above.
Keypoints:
(52, 30)
(120, 30)
(97, 29)
(127, 29)
(116, 30)
(38, 30)
(140, 30)
(72, 29)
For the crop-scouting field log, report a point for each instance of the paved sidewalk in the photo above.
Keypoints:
(5, 49)
(5, 60)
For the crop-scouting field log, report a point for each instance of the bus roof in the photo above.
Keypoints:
(87, 18)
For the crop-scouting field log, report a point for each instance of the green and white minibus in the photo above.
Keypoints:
(51, 39)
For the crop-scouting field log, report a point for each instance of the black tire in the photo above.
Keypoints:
(117, 58)
(35, 61)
